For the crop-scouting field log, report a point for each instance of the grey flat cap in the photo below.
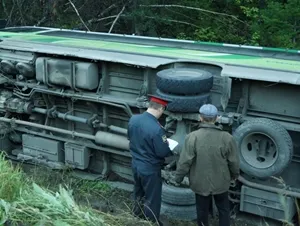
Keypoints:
(208, 110)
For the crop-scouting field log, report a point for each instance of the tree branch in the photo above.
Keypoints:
(10, 14)
(41, 21)
(101, 19)
(150, 17)
(74, 7)
(46, 12)
(181, 14)
(175, 21)
(4, 8)
(112, 26)
(193, 8)
(107, 9)
(23, 22)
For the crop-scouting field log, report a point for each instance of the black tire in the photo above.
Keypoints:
(185, 104)
(184, 213)
(177, 195)
(184, 81)
(280, 141)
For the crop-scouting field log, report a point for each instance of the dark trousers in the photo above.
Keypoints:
(147, 195)
(203, 203)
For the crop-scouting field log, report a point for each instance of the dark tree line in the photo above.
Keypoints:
(273, 23)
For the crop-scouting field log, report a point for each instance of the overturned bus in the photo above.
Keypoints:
(66, 97)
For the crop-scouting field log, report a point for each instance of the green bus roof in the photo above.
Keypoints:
(162, 51)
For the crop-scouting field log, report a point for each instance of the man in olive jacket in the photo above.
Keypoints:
(211, 159)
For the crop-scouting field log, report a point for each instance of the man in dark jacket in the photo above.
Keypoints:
(149, 147)
(211, 159)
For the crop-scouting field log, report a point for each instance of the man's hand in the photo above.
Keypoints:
(175, 151)
(233, 182)
(171, 180)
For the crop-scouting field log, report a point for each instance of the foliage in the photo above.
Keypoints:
(11, 180)
(24, 202)
(38, 206)
(274, 23)
(280, 24)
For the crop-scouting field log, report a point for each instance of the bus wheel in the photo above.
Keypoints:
(185, 104)
(177, 195)
(184, 81)
(265, 147)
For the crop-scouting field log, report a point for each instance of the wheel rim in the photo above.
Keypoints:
(259, 150)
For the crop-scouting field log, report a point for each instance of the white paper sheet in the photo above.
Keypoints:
(172, 144)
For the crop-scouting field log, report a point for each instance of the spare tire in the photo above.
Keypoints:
(184, 81)
(184, 104)
(265, 147)
(184, 213)
(177, 195)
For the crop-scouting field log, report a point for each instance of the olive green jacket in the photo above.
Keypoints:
(210, 159)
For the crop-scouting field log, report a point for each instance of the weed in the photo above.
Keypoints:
(24, 202)
(283, 201)
(12, 179)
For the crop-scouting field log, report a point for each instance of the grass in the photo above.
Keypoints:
(39, 198)
(11, 180)
(283, 202)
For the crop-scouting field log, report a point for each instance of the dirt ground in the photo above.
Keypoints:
(119, 202)
(116, 201)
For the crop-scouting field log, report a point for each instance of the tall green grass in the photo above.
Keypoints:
(283, 202)
(24, 202)
(11, 180)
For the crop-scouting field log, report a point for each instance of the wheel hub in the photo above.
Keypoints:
(259, 150)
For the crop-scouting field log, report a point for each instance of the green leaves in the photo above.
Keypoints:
(279, 24)
(40, 206)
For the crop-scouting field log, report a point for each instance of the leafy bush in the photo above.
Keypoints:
(11, 180)
(23, 202)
